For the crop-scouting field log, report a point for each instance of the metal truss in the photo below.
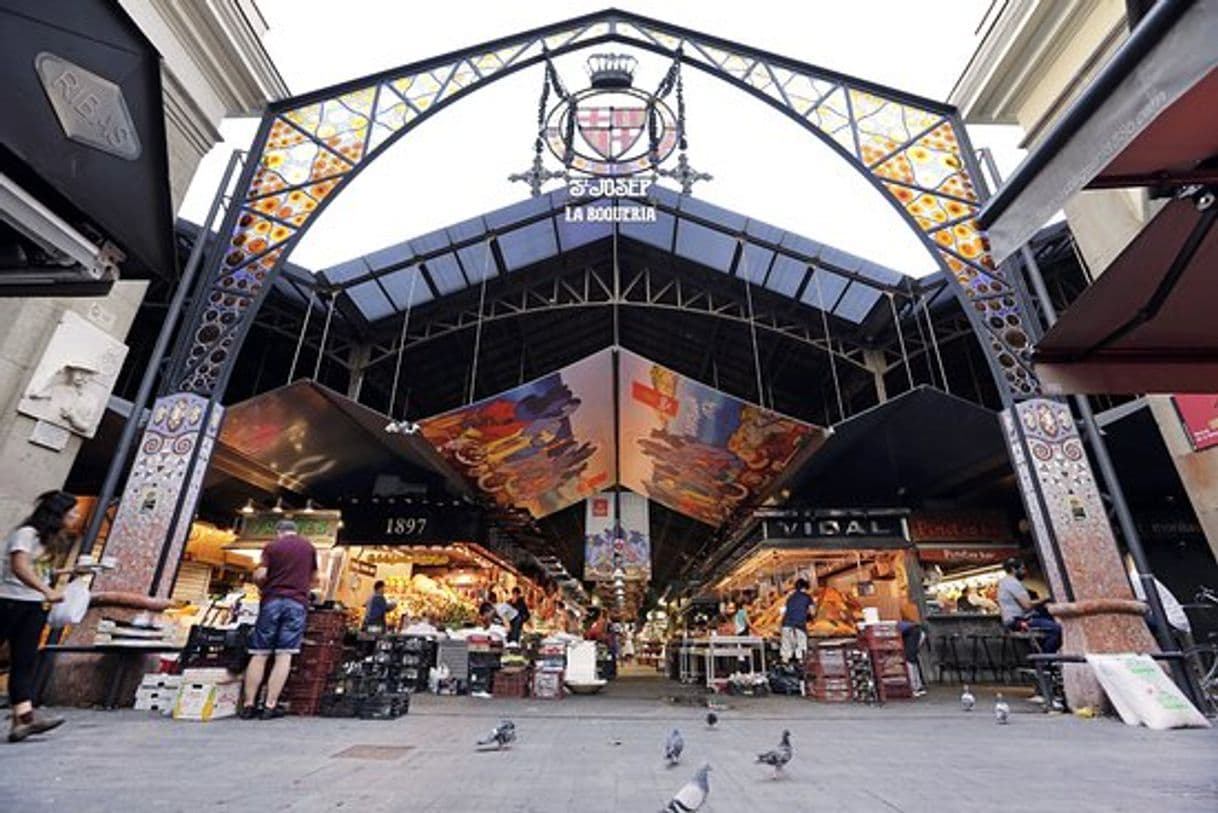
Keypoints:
(914, 151)
(645, 287)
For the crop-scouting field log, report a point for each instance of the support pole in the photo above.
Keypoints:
(1124, 516)
(118, 463)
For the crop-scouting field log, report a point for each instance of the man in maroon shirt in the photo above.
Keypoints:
(287, 572)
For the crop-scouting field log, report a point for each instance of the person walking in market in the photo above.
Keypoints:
(377, 607)
(286, 574)
(795, 623)
(522, 615)
(31, 553)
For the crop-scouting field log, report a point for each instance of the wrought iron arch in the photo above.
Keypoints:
(914, 151)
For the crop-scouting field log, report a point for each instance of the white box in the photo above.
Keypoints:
(156, 699)
(207, 701)
(210, 675)
(159, 680)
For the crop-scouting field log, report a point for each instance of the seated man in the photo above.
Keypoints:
(1021, 612)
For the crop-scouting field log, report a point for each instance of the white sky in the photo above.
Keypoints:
(455, 165)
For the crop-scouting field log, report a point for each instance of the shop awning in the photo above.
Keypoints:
(83, 130)
(312, 440)
(922, 444)
(1149, 117)
(1148, 323)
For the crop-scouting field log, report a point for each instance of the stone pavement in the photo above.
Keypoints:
(604, 754)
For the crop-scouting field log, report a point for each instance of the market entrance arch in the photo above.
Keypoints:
(914, 151)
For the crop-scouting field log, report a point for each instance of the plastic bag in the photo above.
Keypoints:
(73, 607)
(1138, 687)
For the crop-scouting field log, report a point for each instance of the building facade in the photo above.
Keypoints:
(1034, 60)
(212, 65)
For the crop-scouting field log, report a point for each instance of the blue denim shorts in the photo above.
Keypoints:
(280, 627)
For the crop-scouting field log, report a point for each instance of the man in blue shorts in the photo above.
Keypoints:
(285, 576)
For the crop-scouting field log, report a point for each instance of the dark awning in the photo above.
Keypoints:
(920, 445)
(1149, 323)
(1150, 116)
(312, 440)
(83, 125)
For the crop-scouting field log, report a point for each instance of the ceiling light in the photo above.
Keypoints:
(248, 508)
(278, 507)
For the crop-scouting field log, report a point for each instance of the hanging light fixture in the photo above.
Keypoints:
(278, 507)
(248, 508)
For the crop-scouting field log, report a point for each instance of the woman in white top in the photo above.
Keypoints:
(30, 554)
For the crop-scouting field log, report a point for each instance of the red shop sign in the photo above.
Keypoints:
(979, 526)
(1199, 413)
(966, 555)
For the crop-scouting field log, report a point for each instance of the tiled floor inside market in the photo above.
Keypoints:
(603, 753)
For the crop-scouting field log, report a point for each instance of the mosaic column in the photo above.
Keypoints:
(149, 531)
(1095, 604)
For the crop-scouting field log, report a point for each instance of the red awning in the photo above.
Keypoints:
(1150, 322)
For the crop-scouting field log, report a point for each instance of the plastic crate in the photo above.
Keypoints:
(383, 707)
(548, 685)
(511, 684)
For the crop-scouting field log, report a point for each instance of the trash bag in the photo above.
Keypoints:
(73, 607)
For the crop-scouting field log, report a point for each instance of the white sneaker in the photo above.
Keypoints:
(1036, 699)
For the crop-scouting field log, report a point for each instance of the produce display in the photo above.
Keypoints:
(421, 596)
(837, 613)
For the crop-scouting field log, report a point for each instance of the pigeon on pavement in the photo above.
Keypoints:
(780, 756)
(503, 734)
(1002, 712)
(711, 719)
(673, 748)
(692, 794)
(967, 700)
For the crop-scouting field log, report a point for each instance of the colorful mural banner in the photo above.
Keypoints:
(694, 449)
(1199, 414)
(542, 446)
(628, 539)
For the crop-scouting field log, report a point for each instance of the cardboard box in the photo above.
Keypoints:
(162, 682)
(216, 674)
(156, 699)
(207, 701)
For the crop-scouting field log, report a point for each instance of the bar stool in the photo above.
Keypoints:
(983, 656)
(948, 657)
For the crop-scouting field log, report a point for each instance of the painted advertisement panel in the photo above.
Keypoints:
(541, 446)
(629, 539)
(694, 449)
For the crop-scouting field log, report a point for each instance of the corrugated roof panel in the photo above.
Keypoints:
(478, 262)
(407, 288)
(823, 289)
(351, 269)
(509, 216)
(528, 244)
(716, 214)
(445, 273)
(572, 234)
(857, 302)
(786, 275)
(658, 234)
(371, 302)
(711, 248)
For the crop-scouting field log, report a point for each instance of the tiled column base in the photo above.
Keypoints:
(1096, 626)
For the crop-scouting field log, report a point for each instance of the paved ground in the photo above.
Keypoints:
(603, 754)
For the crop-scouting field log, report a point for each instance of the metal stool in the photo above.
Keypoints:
(948, 657)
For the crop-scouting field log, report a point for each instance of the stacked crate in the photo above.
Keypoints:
(829, 673)
(887, 651)
(547, 683)
(378, 675)
(313, 669)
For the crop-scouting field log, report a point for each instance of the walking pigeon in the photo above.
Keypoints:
(967, 700)
(503, 734)
(1002, 712)
(673, 748)
(780, 756)
(711, 719)
(692, 794)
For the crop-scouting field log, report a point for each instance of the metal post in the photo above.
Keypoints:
(325, 335)
(118, 463)
(1133, 541)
